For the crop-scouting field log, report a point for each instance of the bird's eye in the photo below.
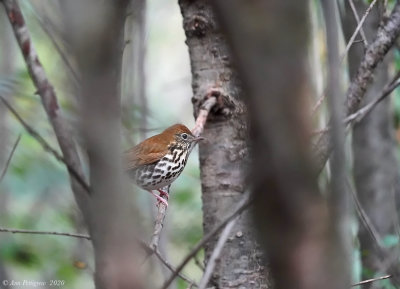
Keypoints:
(184, 136)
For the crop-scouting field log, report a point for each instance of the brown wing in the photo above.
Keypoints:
(147, 152)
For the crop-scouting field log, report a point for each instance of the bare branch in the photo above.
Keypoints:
(172, 269)
(159, 223)
(365, 110)
(45, 145)
(364, 217)
(49, 101)
(57, 47)
(371, 280)
(216, 253)
(360, 23)
(203, 114)
(243, 205)
(375, 53)
(198, 263)
(9, 158)
(353, 8)
(87, 237)
(352, 40)
(19, 231)
(319, 102)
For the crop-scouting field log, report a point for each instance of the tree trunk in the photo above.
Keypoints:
(223, 157)
(112, 224)
(375, 166)
(298, 227)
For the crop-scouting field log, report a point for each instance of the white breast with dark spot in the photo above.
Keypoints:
(163, 172)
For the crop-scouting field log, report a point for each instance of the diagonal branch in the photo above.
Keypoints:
(371, 280)
(45, 145)
(355, 13)
(49, 100)
(386, 36)
(365, 110)
(60, 50)
(9, 158)
(212, 261)
(87, 237)
(359, 26)
(243, 205)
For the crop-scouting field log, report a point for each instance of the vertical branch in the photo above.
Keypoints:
(294, 220)
(49, 100)
(375, 165)
(134, 74)
(97, 49)
(159, 223)
(338, 195)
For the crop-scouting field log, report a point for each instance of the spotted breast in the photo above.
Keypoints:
(157, 161)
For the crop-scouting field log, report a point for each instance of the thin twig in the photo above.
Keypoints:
(371, 280)
(172, 269)
(360, 23)
(362, 112)
(9, 158)
(19, 231)
(87, 237)
(355, 13)
(351, 41)
(364, 218)
(57, 47)
(365, 110)
(212, 261)
(244, 204)
(319, 102)
(45, 145)
(198, 263)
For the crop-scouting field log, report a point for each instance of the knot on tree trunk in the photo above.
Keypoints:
(197, 26)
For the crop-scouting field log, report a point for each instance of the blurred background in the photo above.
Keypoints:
(35, 193)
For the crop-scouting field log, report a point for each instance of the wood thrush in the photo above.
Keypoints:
(157, 161)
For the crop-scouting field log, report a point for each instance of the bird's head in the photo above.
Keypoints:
(182, 135)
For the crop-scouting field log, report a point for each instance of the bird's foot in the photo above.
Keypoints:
(164, 196)
(160, 199)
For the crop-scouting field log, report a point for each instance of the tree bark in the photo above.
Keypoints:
(224, 156)
(297, 226)
(375, 165)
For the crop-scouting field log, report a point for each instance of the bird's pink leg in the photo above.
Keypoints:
(163, 194)
(160, 198)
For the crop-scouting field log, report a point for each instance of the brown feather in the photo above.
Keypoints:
(154, 148)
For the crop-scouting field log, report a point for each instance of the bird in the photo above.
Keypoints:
(159, 160)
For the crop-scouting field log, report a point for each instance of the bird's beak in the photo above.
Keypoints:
(199, 138)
